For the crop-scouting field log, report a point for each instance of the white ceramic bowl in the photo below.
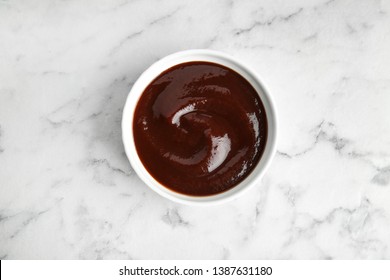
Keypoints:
(186, 56)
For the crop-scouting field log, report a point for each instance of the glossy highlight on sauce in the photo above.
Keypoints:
(199, 128)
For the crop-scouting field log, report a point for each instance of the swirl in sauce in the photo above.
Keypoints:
(199, 128)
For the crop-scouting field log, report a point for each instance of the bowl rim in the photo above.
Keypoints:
(208, 56)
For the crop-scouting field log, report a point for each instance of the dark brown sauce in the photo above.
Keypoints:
(200, 128)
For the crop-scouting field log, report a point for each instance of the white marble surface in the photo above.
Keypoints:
(67, 190)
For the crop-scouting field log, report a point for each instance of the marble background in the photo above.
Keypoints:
(67, 190)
